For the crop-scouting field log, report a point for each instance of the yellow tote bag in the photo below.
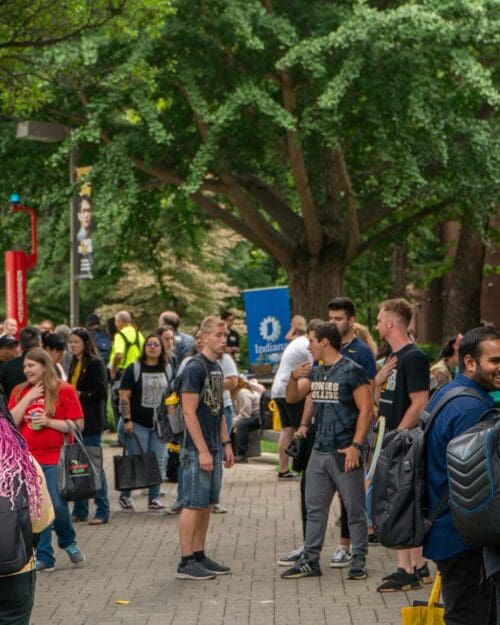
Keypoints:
(430, 614)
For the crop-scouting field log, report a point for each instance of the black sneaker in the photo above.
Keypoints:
(215, 567)
(302, 568)
(373, 538)
(393, 575)
(358, 567)
(288, 475)
(400, 582)
(423, 574)
(193, 570)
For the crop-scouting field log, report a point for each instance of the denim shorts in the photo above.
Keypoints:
(200, 489)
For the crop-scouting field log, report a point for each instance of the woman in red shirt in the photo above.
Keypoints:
(40, 407)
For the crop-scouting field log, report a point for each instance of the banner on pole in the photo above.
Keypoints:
(268, 320)
(84, 234)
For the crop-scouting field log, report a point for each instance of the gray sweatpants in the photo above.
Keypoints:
(323, 479)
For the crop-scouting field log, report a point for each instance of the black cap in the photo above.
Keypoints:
(7, 340)
(93, 319)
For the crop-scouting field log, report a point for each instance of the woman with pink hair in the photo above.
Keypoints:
(20, 476)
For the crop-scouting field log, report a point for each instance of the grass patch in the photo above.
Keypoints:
(269, 447)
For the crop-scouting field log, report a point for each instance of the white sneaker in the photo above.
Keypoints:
(341, 558)
(291, 557)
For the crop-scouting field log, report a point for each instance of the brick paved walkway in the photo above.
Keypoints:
(134, 558)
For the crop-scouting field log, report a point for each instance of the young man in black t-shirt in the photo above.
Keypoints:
(338, 395)
(206, 446)
(403, 396)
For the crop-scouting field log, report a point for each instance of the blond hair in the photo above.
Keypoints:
(50, 380)
(363, 333)
(209, 323)
(399, 307)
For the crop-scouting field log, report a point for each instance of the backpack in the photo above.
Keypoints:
(474, 481)
(103, 344)
(399, 482)
(128, 344)
(266, 414)
(16, 534)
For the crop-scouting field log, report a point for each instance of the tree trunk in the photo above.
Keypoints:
(313, 285)
(399, 265)
(463, 302)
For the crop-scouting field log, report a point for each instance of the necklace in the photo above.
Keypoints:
(327, 373)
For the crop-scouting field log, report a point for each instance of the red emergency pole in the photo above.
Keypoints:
(17, 264)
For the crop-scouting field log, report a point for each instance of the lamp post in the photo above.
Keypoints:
(48, 132)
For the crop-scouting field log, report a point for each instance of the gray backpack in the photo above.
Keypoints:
(474, 481)
(399, 507)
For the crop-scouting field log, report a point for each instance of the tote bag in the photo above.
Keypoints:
(135, 471)
(431, 613)
(79, 468)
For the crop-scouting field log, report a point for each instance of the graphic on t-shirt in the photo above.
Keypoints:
(213, 395)
(390, 384)
(153, 385)
(323, 390)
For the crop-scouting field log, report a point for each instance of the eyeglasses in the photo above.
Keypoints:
(153, 345)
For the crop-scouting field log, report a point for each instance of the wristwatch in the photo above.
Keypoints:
(126, 420)
(357, 446)
(224, 443)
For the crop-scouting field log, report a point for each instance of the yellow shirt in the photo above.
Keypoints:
(76, 373)
(120, 346)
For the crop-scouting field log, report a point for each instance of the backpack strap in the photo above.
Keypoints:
(460, 391)
(137, 370)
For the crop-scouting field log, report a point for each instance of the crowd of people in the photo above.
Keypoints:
(332, 384)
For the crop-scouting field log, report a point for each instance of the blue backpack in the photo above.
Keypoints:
(103, 345)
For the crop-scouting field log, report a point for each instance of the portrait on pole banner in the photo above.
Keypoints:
(84, 232)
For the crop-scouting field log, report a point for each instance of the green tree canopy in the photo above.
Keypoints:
(316, 130)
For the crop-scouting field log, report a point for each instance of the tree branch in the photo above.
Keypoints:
(394, 229)
(296, 159)
(352, 208)
(222, 214)
(289, 222)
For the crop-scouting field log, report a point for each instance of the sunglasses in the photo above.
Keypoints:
(148, 344)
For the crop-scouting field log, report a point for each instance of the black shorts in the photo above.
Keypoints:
(290, 414)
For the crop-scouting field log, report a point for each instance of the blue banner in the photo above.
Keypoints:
(268, 320)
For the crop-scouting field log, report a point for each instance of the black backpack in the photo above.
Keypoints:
(399, 482)
(16, 534)
(474, 481)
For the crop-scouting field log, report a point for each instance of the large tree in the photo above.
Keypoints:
(314, 129)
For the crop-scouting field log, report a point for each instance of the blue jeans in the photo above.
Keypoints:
(81, 507)
(62, 525)
(200, 489)
(228, 415)
(149, 442)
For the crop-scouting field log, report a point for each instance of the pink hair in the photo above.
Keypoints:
(17, 469)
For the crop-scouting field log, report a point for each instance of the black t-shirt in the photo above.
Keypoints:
(410, 375)
(233, 338)
(147, 391)
(205, 377)
(335, 411)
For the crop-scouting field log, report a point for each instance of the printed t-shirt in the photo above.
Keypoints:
(147, 391)
(334, 409)
(410, 375)
(45, 444)
(359, 351)
(211, 404)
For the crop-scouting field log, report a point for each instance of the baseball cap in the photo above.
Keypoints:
(7, 340)
(93, 319)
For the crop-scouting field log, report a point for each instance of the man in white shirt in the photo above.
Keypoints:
(295, 354)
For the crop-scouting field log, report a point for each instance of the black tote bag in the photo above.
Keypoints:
(135, 471)
(79, 468)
